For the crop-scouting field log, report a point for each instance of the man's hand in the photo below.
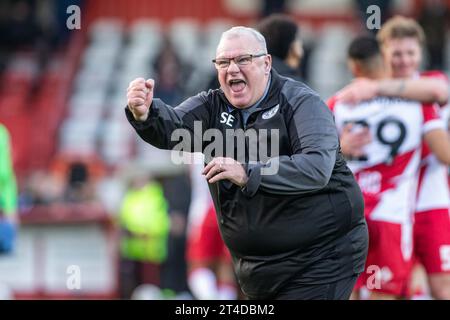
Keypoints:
(359, 90)
(353, 142)
(225, 168)
(140, 97)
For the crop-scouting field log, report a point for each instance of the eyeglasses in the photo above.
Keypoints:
(243, 60)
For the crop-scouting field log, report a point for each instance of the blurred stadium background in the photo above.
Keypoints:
(62, 98)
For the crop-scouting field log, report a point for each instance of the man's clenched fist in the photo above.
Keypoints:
(140, 97)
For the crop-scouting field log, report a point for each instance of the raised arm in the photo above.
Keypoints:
(428, 90)
(156, 123)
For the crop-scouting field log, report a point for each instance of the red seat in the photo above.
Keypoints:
(12, 81)
(12, 104)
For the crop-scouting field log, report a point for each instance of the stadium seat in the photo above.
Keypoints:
(327, 65)
(116, 141)
(104, 31)
(243, 8)
(145, 32)
(79, 136)
(185, 35)
(87, 105)
(320, 7)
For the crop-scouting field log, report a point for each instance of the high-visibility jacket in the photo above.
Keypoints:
(8, 187)
(144, 217)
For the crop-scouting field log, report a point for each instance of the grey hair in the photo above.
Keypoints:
(240, 30)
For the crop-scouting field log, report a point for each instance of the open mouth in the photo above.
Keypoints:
(237, 85)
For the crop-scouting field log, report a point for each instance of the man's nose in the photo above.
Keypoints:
(233, 67)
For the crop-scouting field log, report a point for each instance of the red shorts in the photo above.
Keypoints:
(432, 240)
(205, 243)
(387, 269)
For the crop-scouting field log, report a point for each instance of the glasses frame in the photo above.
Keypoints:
(251, 56)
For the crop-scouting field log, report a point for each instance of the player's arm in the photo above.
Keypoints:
(155, 122)
(434, 133)
(438, 141)
(427, 90)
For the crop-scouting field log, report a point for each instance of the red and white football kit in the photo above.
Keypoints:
(204, 243)
(432, 219)
(388, 177)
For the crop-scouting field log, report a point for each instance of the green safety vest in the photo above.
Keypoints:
(8, 187)
(144, 215)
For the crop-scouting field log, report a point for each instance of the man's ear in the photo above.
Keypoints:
(354, 67)
(296, 50)
(268, 64)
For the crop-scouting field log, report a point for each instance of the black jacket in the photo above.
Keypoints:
(307, 219)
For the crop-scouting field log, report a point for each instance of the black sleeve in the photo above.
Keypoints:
(174, 128)
(314, 141)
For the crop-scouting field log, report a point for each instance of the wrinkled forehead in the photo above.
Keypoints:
(237, 44)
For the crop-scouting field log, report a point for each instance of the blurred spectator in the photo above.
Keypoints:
(42, 188)
(434, 18)
(23, 27)
(79, 185)
(70, 179)
(3, 34)
(169, 72)
(283, 43)
(273, 6)
(21, 30)
(38, 26)
(79, 175)
(18, 28)
(8, 195)
(144, 223)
